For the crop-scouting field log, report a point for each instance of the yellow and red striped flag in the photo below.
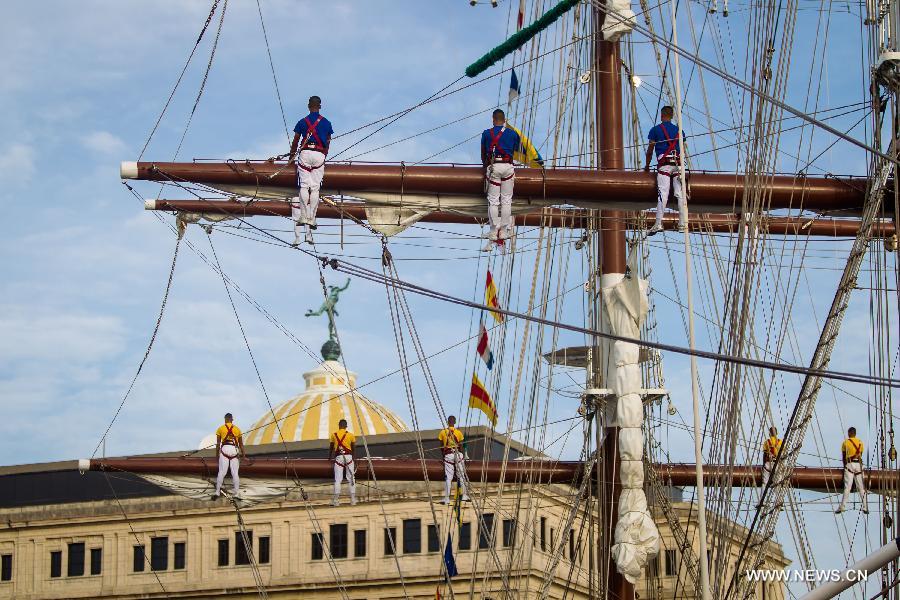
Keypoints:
(491, 298)
(480, 399)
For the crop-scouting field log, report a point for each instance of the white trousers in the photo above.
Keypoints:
(228, 460)
(766, 472)
(667, 177)
(454, 466)
(310, 171)
(501, 178)
(344, 468)
(853, 473)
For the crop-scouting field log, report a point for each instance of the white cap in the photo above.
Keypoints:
(150, 204)
(128, 170)
(84, 464)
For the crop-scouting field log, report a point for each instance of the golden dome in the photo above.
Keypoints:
(314, 414)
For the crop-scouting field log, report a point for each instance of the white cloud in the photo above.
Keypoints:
(17, 163)
(58, 337)
(103, 142)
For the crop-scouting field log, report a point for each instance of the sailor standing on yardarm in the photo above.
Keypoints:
(454, 462)
(230, 450)
(663, 139)
(342, 453)
(851, 455)
(498, 144)
(770, 451)
(313, 136)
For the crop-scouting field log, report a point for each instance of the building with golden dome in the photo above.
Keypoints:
(330, 396)
(69, 534)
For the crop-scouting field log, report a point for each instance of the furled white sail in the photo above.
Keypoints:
(625, 307)
(253, 490)
(619, 20)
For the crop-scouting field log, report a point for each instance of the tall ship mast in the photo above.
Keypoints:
(568, 303)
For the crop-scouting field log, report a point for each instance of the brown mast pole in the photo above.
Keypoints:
(610, 155)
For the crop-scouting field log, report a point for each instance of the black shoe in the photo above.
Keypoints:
(214, 497)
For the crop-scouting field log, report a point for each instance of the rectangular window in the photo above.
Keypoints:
(223, 553)
(264, 556)
(359, 543)
(571, 545)
(75, 564)
(465, 536)
(337, 540)
(653, 566)
(434, 539)
(242, 552)
(509, 532)
(180, 552)
(138, 559)
(412, 536)
(318, 546)
(159, 553)
(486, 531)
(543, 534)
(6, 567)
(56, 563)
(96, 561)
(671, 564)
(552, 539)
(390, 540)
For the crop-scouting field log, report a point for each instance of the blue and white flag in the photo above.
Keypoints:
(514, 89)
(449, 561)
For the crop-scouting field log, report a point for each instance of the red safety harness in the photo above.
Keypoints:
(342, 450)
(496, 150)
(670, 156)
(340, 446)
(857, 452)
(312, 141)
(448, 450)
(229, 440)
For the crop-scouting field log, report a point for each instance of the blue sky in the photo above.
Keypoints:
(86, 267)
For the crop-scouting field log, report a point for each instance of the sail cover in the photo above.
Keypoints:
(625, 307)
(619, 20)
(253, 490)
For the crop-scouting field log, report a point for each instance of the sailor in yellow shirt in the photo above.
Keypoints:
(454, 461)
(851, 454)
(771, 448)
(229, 446)
(343, 450)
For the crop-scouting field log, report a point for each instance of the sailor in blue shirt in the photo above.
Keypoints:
(497, 147)
(313, 136)
(663, 138)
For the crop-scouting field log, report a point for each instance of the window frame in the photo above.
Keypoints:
(139, 558)
(317, 546)
(412, 536)
(264, 546)
(390, 541)
(73, 567)
(243, 554)
(364, 544)
(339, 540)
(223, 552)
(434, 535)
(486, 527)
(509, 533)
(179, 548)
(465, 535)
(159, 553)
(96, 561)
(55, 564)
(6, 567)
(671, 562)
